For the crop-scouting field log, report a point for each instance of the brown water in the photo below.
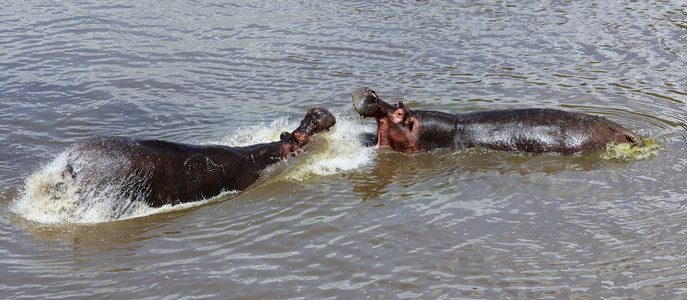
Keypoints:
(343, 220)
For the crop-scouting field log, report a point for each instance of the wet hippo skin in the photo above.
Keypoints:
(535, 130)
(161, 172)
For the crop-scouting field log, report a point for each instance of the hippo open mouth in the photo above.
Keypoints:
(367, 104)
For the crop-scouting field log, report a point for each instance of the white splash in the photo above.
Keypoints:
(337, 151)
(261, 133)
(50, 197)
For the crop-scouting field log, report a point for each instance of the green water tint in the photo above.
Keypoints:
(628, 151)
(314, 164)
(318, 161)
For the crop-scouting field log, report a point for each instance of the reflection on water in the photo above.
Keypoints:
(344, 220)
(393, 168)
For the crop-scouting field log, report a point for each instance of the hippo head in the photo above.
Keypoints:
(396, 124)
(367, 104)
(316, 120)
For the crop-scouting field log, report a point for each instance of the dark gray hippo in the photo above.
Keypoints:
(160, 172)
(535, 130)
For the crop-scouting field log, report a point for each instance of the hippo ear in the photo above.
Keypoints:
(284, 137)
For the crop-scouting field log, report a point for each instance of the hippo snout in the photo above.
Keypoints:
(366, 102)
(323, 119)
(316, 120)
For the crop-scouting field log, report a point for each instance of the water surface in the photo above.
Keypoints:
(344, 220)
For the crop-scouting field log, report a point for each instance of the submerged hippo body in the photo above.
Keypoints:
(160, 172)
(526, 130)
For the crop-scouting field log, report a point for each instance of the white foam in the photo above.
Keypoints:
(334, 152)
(50, 197)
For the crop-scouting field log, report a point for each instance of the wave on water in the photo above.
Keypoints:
(49, 196)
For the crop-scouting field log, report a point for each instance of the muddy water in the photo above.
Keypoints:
(344, 220)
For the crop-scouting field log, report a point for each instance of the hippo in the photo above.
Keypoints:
(533, 130)
(161, 172)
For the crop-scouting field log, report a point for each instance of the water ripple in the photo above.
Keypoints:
(346, 220)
